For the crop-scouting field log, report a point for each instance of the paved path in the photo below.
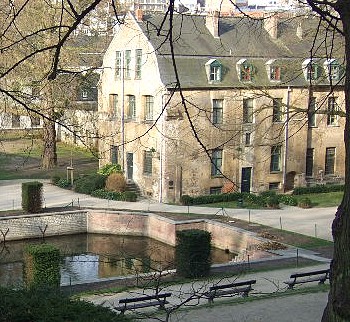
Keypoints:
(312, 222)
(300, 308)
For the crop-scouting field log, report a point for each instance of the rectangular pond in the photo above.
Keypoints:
(94, 257)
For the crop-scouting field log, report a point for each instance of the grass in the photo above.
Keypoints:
(21, 159)
(329, 199)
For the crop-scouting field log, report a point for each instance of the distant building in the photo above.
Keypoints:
(250, 108)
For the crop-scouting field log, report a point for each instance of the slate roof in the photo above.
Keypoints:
(239, 38)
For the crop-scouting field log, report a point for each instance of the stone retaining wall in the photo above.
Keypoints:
(224, 236)
(50, 224)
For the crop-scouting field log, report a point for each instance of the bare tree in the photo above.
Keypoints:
(22, 46)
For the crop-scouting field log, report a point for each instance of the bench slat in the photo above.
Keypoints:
(230, 289)
(299, 278)
(142, 302)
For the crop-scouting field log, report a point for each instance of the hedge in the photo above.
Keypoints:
(32, 196)
(318, 189)
(192, 253)
(42, 266)
(112, 195)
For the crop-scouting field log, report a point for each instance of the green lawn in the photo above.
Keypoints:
(329, 199)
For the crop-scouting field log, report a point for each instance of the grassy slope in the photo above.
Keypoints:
(21, 159)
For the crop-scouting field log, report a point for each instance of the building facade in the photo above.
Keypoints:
(229, 103)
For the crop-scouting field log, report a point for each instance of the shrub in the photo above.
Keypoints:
(116, 182)
(192, 253)
(32, 196)
(112, 195)
(317, 189)
(89, 183)
(41, 304)
(304, 203)
(63, 183)
(288, 200)
(108, 169)
(42, 265)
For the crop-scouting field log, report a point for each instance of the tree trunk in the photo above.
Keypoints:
(338, 306)
(49, 157)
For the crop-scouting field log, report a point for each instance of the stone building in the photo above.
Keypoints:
(243, 105)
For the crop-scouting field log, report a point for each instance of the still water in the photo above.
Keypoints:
(93, 257)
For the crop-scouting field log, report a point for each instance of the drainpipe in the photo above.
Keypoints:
(161, 151)
(286, 139)
(122, 116)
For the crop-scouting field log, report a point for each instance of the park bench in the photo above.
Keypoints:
(142, 302)
(243, 288)
(299, 278)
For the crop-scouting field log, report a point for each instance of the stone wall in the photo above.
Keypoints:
(50, 224)
(122, 223)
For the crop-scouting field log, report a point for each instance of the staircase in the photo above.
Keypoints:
(133, 187)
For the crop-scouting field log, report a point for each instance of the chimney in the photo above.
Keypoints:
(212, 23)
(139, 15)
(271, 24)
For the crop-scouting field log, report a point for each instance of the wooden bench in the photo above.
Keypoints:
(142, 302)
(299, 278)
(243, 288)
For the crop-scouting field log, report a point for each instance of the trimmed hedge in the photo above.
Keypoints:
(32, 196)
(112, 195)
(264, 199)
(318, 189)
(42, 266)
(192, 253)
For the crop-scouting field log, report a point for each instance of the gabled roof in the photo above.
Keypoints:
(239, 38)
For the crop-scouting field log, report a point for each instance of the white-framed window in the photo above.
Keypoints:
(332, 109)
(311, 70)
(216, 162)
(248, 105)
(138, 63)
(245, 70)
(214, 71)
(218, 105)
(149, 105)
(118, 64)
(131, 112)
(113, 104)
(273, 70)
(276, 158)
(127, 66)
(332, 69)
(329, 167)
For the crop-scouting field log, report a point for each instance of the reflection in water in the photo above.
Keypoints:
(91, 257)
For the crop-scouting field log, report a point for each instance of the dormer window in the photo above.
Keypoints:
(311, 70)
(245, 70)
(332, 69)
(273, 70)
(214, 71)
